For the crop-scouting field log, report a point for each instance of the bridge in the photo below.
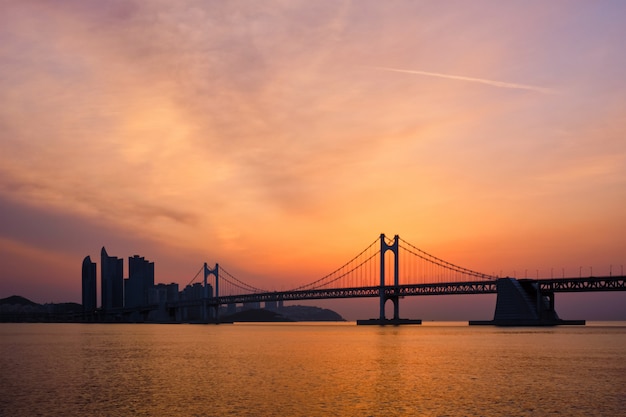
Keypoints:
(376, 272)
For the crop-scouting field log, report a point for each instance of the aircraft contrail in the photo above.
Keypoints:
(493, 83)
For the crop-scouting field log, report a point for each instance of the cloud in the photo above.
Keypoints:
(493, 83)
(256, 130)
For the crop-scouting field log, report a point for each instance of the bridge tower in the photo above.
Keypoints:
(387, 293)
(205, 298)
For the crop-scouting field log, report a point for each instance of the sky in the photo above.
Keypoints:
(280, 138)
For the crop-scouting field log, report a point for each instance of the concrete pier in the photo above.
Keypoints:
(387, 322)
(521, 303)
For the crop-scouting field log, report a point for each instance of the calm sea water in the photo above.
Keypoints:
(311, 370)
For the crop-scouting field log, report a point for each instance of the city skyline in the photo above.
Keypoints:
(523, 302)
(279, 138)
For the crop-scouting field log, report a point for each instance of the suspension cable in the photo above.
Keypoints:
(344, 274)
(239, 286)
(195, 276)
(248, 287)
(301, 287)
(438, 261)
(449, 266)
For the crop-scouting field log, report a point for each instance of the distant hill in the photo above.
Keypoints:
(19, 309)
(289, 313)
(309, 313)
(255, 315)
(17, 300)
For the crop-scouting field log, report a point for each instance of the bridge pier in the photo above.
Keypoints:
(396, 306)
(522, 303)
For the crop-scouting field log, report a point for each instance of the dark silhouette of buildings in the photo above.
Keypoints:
(163, 293)
(111, 281)
(139, 283)
(90, 298)
(193, 292)
(135, 298)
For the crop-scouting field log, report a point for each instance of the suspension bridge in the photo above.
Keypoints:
(375, 272)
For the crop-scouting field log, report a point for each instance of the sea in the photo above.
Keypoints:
(312, 369)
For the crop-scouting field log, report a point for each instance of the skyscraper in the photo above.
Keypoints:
(111, 280)
(90, 299)
(140, 281)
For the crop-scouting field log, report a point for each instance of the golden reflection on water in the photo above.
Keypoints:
(310, 370)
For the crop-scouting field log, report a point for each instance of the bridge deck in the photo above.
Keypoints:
(590, 284)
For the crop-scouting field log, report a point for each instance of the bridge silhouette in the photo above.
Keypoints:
(392, 268)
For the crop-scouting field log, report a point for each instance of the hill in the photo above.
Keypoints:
(17, 300)
(255, 315)
(309, 313)
(285, 314)
(19, 309)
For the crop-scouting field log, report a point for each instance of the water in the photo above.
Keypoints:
(311, 370)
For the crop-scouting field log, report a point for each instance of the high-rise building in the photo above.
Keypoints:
(90, 298)
(111, 280)
(194, 292)
(163, 293)
(139, 283)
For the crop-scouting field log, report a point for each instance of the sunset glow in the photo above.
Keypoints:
(280, 138)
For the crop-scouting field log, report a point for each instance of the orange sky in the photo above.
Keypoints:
(280, 138)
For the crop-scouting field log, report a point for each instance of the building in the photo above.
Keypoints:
(163, 293)
(90, 298)
(172, 292)
(193, 294)
(111, 281)
(140, 281)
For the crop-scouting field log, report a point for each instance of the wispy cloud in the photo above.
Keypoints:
(221, 131)
(493, 83)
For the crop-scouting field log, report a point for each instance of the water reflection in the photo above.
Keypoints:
(292, 369)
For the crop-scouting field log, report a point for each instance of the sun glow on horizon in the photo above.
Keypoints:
(282, 139)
